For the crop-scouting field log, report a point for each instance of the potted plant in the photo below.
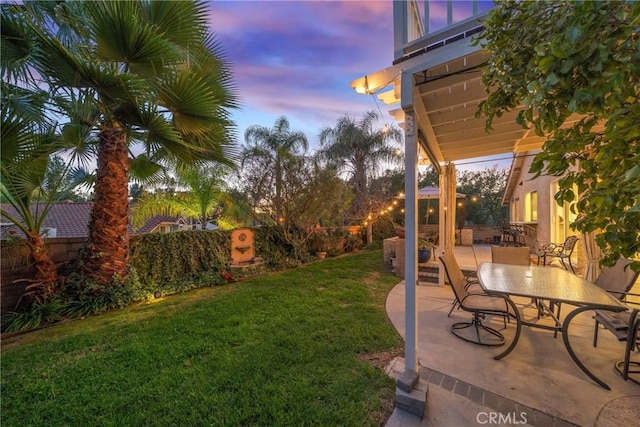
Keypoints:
(318, 242)
(352, 243)
(425, 248)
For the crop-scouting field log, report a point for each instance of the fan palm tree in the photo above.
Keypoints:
(25, 199)
(203, 201)
(155, 76)
(356, 148)
(272, 147)
(31, 142)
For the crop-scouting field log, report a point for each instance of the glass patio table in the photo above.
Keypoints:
(549, 284)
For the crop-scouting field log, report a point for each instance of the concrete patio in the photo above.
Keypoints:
(537, 384)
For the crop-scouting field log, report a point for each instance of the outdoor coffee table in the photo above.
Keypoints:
(550, 284)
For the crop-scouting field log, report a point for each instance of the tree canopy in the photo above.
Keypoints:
(203, 199)
(359, 150)
(125, 73)
(573, 70)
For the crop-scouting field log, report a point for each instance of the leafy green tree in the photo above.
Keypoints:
(557, 59)
(358, 149)
(483, 190)
(388, 185)
(266, 153)
(156, 79)
(202, 201)
(386, 188)
(59, 178)
(135, 192)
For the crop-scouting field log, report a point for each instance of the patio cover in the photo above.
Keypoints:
(437, 80)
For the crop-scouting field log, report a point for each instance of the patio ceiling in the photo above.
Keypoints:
(446, 91)
(450, 94)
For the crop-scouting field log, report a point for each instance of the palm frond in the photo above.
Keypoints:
(145, 170)
(81, 177)
(151, 205)
(16, 44)
(181, 22)
(122, 35)
(24, 104)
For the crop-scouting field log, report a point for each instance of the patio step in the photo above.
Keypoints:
(428, 272)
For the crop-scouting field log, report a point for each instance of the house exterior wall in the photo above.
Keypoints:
(542, 229)
(517, 206)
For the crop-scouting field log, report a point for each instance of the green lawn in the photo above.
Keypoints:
(282, 349)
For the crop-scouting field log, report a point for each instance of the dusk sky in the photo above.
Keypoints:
(297, 58)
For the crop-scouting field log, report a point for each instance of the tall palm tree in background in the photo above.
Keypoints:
(357, 148)
(272, 148)
(204, 199)
(157, 81)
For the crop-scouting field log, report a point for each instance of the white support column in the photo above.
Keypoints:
(411, 240)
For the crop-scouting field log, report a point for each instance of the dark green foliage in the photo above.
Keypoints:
(169, 257)
(382, 228)
(38, 313)
(562, 58)
(274, 248)
(483, 190)
(318, 241)
(352, 242)
(336, 239)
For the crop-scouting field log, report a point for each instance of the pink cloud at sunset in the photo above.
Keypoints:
(297, 58)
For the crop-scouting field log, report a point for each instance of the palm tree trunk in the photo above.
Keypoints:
(107, 255)
(46, 274)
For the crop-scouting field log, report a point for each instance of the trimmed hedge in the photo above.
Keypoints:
(162, 264)
(179, 256)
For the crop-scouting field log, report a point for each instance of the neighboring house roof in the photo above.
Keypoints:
(71, 220)
(514, 177)
(154, 222)
(67, 218)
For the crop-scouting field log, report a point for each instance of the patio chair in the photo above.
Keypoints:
(518, 234)
(519, 255)
(505, 230)
(481, 305)
(511, 255)
(561, 251)
(619, 280)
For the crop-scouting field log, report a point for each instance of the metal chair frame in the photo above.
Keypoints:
(624, 325)
(558, 250)
(476, 303)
